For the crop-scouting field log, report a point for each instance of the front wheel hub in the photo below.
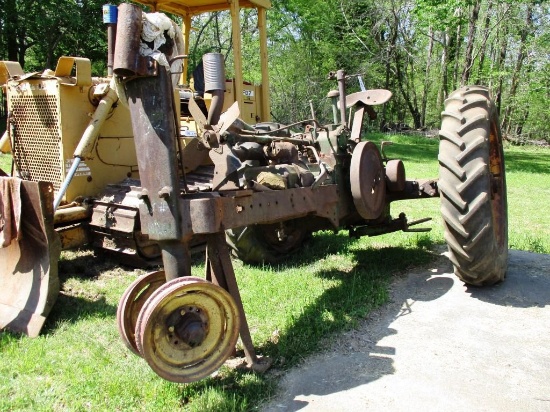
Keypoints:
(188, 325)
(187, 329)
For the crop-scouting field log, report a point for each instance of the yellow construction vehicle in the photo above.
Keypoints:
(75, 178)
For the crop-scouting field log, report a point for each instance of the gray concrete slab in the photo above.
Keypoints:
(438, 346)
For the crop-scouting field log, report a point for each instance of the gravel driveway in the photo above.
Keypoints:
(438, 346)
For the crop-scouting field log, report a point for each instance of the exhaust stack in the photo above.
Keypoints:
(214, 83)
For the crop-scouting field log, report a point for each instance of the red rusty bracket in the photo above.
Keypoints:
(219, 270)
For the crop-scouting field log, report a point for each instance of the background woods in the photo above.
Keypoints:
(420, 50)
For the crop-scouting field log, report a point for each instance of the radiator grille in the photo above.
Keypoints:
(37, 138)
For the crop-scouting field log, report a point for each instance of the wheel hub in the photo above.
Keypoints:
(187, 329)
(187, 325)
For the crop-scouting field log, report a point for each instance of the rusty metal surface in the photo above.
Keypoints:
(357, 125)
(127, 60)
(114, 227)
(28, 267)
(226, 168)
(187, 329)
(220, 270)
(114, 217)
(115, 223)
(130, 305)
(150, 101)
(395, 175)
(368, 184)
(216, 212)
(368, 97)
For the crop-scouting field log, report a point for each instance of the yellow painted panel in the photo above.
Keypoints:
(113, 157)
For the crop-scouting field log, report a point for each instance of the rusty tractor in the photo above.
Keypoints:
(268, 188)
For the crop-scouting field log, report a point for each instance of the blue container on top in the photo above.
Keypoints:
(110, 13)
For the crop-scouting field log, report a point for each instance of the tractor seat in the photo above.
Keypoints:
(368, 97)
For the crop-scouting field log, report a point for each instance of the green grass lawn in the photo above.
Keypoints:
(79, 362)
(5, 162)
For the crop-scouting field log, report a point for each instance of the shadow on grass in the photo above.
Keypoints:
(85, 264)
(74, 308)
(337, 310)
(361, 289)
(325, 243)
(536, 163)
(314, 248)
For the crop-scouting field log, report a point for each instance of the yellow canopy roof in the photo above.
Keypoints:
(193, 7)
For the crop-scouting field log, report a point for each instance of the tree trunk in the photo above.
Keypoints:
(11, 29)
(384, 120)
(483, 47)
(427, 76)
(444, 90)
(522, 120)
(525, 32)
(468, 58)
(456, 54)
(404, 86)
(22, 46)
(50, 56)
(388, 50)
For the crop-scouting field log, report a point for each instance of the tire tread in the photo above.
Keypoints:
(465, 187)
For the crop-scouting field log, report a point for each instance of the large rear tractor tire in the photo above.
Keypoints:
(472, 185)
(271, 243)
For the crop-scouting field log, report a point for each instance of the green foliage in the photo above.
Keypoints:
(5, 162)
(42, 31)
(441, 15)
(417, 50)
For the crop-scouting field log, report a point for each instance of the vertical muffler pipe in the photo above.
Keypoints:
(127, 60)
(333, 95)
(214, 83)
